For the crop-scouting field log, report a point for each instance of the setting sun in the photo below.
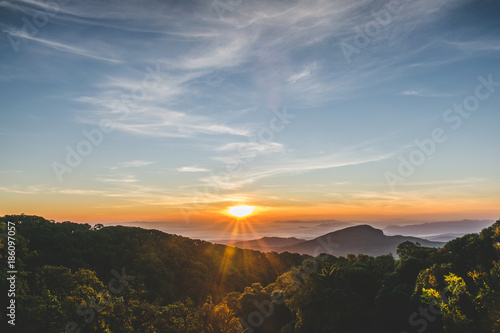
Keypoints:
(240, 211)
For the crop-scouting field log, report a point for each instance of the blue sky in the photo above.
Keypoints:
(302, 108)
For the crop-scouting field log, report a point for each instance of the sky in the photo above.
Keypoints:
(117, 111)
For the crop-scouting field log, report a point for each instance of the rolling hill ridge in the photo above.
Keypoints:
(363, 239)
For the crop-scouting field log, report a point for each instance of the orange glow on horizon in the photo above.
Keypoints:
(93, 209)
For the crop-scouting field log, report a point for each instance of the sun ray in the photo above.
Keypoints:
(238, 229)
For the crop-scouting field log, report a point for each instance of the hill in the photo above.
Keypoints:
(171, 267)
(358, 239)
(268, 244)
(438, 290)
(444, 230)
(74, 277)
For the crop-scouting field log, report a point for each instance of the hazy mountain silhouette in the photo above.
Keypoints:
(267, 244)
(443, 237)
(444, 231)
(359, 239)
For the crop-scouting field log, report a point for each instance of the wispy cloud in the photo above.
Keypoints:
(175, 124)
(297, 166)
(32, 189)
(303, 74)
(250, 149)
(126, 191)
(305, 165)
(478, 45)
(216, 56)
(132, 164)
(11, 171)
(192, 169)
(450, 182)
(117, 178)
(243, 42)
(411, 93)
(59, 46)
(420, 93)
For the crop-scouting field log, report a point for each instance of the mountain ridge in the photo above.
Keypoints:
(452, 229)
(267, 243)
(358, 239)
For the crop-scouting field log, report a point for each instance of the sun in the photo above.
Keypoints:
(240, 211)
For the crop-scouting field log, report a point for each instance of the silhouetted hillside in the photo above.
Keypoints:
(76, 278)
(456, 228)
(359, 239)
(267, 244)
(172, 267)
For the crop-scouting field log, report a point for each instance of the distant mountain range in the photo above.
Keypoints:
(267, 244)
(307, 230)
(349, 239)
(443, 237)
(358, 239)
(440, 231)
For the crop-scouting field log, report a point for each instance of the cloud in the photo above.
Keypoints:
(445, 183)
(250, 149)
(219, 56)
(175, 124)
(123, 189)
(117, 179)
(304, 165)
(477, 45)
(147, 119)
(355, 155)
(424, 94)
(132, 164)
(302, 75)
(256, 40)
(192, 169)
(411, 93)
(32, 189)
(59, 46)
(11, 171)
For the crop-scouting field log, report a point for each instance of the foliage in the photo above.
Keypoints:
(121, 279)
(70, 273)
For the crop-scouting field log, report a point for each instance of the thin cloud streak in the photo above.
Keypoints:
(192, 169)
(61, 46)
(295, 167)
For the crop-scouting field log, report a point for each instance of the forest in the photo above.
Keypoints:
(74, 277)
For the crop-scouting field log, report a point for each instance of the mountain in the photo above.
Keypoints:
(443, 237)
(359, 239)
(268, 244)
(453, 228)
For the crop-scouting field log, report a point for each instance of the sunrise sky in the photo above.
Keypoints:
(115, 111)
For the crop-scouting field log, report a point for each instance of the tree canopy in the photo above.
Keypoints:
(78, 278)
